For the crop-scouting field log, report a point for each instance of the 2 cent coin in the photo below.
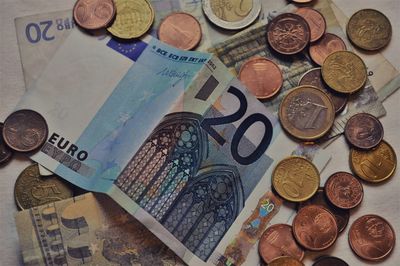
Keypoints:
(329, 43)
(315, 20)
(94, 14)
(344, 190)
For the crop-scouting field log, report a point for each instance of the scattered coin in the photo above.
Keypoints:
(371, 237)
(285, 261)
(363, 131)
(5, 152)
(328, 44)
(315, 20)
(375, 165)
(369, 29)
(133, 19)
(302, 1)
(306, 113)
(329, 261)
(262, 77)
(344, 72)
(313, 77)
(315, 228)
(180, 30)
(288, 34)
(278, 241)
(342, 216)
(232, 15)
(94, 14)
(344, 190)
(295, 179)
(33, 190)
(25, 130)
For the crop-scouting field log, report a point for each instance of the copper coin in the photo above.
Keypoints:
(328, 44)
(363, 131)
(180, 30)
(285, 261)
(329, 261)
(262, 77)
(344, 190)
(315, 228)
(302, 1)
(5, 152)
(313, 77)
(25, 130)
(278, 241)
(371, 237)
(94, 14)
(342, 216)
(315, 20)
(288, 34)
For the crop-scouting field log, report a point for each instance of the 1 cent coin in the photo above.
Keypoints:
(329, 261)
(369, 29)
(5, 152)
(363, 131)
(180, 30)
(315, 228)
(25, 130)
(342, 216)
(295, 179)
(375, 165)
(262, 77)
(371, 237)
(344, 190)
(313, 77)
(328, 44)
(285, 261)
(307, 113)
(315, 20)
(33, 190)
(288, 33)
(278, 241)
(344, 72)
(94, 14)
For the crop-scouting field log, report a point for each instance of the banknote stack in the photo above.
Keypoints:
(200, 121)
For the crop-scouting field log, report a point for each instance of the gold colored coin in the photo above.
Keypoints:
(285, 261)
(307, 113)
(234, 10)
(369, 29)
(33, 190)
(295, 179)
(133, 19)
(344, 72)
(375, 165)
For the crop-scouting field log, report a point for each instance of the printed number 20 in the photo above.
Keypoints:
(35, 32)
(241, 130)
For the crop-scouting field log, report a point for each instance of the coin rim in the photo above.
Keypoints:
(365, 47)
(323, 18)
(11, 152)
(316, 43)
(383, 256)
(98, 27)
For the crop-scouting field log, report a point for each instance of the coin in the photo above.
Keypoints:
(375, 165)
(371, 237)
(344, 190)
(328, 44)
(288, 34)
(369, 29)
(262, 77)
(306, 113)
(315, 228)
(313, 78)
(295, 179)
(5, 152)
(25, 130)
(232, 15)
(94, 14)
(33, 190)
(278, 241)
(363, 131)
(180, 30)
(133, 19)
(329, 261)
(344, 72)
(315, 20)
(285, 261)
(341, 216)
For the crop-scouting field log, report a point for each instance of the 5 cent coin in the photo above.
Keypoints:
(5, 152)
(328, 44)
(94, 14)
(363, 131)
(315, 20)
(344, 190)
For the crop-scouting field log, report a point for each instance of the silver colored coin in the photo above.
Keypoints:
(231, 14)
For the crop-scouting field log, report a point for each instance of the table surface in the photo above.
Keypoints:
(379, 199)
